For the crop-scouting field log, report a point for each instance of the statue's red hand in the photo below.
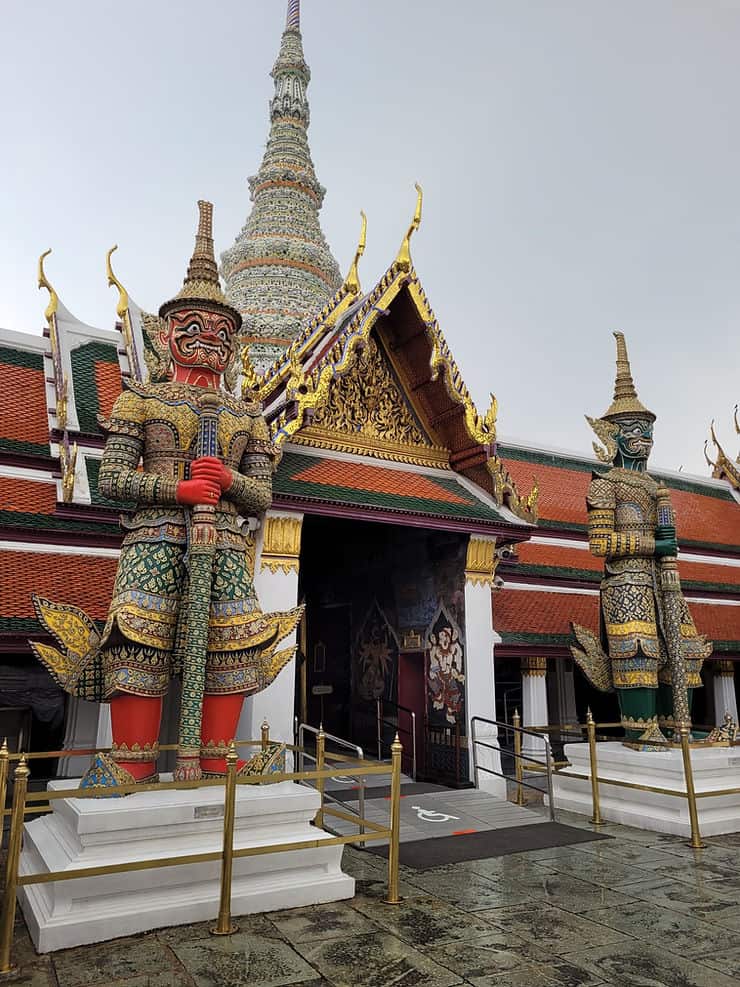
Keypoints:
(197, 491)
(210, 468)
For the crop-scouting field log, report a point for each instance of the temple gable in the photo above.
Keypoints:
(368, 411)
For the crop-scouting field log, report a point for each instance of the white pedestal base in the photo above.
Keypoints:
(713, 768)
(155, 825)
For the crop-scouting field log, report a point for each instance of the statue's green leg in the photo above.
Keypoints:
(639, 710)
(665, 706)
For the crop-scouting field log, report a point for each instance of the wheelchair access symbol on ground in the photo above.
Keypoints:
(432, 816)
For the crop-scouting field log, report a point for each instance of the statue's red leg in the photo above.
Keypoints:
(135, 720)
(219, 722)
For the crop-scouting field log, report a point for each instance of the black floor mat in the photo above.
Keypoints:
(441, 850)
(351, 792)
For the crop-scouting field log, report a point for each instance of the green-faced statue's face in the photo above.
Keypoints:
(635, 439)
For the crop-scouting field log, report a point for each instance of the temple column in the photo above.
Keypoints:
(563, 687)
(725, 700)
(480, 640)
(534, 703)
(87, 726)
(276, 583)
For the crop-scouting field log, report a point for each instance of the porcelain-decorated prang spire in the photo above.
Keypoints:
(280, 270)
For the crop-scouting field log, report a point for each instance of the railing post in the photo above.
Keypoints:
(3, 787)
(392, 897)
(516, 722)
(474, 741)
(224, 926)
(7, 920)
(696, 842)
(596, 803)
(413, 745)
(320, 782)
(265, 735)
(548, 766)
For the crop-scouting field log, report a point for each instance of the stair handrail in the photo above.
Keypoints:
(379, 701)
(300, 729)
(519, 732)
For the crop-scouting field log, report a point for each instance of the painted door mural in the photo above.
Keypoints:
(445, 699)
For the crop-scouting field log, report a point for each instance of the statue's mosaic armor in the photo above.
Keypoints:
(622, 519)
(141, 646)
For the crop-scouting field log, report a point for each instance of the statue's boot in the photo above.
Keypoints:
(638, 712)
(135, 722)
(218, 728)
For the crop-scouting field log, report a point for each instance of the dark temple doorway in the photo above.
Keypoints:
(374, 594)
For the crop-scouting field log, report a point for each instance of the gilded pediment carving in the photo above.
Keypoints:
(367, 412)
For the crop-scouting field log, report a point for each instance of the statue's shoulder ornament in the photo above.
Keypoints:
(634, 480)
(601, 493)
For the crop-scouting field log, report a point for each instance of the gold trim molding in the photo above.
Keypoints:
(360, 445)
(481, 562)
(534, 665)
(724, 667)
(281, 547)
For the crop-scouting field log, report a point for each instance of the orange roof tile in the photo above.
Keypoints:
(706, 519)
(535, 612)
(562, 491)
(23, 404)
(108, 384)
(558, 555)
(718, 622)
(84, 581)
(552, 555)
(27, 496)
(706, 572)
(399, 483)
(701, 517)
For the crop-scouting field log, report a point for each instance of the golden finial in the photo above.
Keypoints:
(625, 400)
(403, 260)
(352, 281)
(706, 456)
(122, 306)
(51, 308)
(713, 433)
(490, 417)
(231, 756)
(737, 423)
(69, 464)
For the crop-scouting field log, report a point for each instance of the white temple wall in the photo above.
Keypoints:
(481, 639)
(276, 584)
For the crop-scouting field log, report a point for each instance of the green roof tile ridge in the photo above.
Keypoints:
(21, 358)
(84, 359)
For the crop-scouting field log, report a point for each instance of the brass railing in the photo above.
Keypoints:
(25, 802)
(684, 742)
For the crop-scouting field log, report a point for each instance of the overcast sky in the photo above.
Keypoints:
(580, 164)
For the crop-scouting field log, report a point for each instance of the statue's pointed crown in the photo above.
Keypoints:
(201, 285)
(625, 403)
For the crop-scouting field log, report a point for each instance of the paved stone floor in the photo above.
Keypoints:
(640, 910)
